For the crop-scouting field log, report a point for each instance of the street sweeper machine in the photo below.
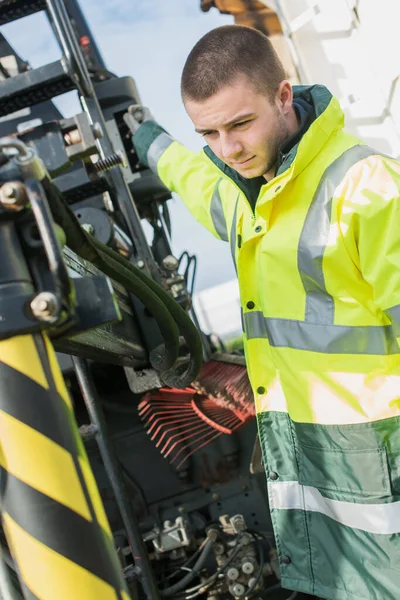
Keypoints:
(129, 461)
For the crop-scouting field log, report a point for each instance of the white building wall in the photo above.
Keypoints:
(352, 47)
(218, 310)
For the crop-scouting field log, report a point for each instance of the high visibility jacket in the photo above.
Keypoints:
(318, 262)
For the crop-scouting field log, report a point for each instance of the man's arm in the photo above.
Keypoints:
(189, 175)
(378, 235)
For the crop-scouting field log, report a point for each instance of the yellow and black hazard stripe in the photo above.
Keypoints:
(52, 513)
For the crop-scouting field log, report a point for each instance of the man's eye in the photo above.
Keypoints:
(241, 124)
(208, 133)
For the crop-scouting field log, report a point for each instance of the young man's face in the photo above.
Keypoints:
(242, 127)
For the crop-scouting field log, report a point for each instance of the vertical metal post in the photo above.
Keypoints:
(82, 28)
(61, 25)
(114, 473)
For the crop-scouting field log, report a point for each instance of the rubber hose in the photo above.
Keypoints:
(93, 251)
(186, 328)
(198, 565)
(91, 245)
(162, 357)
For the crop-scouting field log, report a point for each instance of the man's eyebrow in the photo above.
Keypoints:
(229, 123)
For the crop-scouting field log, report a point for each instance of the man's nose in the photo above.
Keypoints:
(230, 147)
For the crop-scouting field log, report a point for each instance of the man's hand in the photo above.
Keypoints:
(136, 115)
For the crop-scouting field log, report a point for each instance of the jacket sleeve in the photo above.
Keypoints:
(378, 235)
(188, 174)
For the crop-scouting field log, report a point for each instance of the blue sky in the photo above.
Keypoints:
(149, 40)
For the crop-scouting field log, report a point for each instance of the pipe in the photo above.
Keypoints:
(180, 585)
(114, 474)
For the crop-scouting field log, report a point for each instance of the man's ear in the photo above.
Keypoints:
(284, 97)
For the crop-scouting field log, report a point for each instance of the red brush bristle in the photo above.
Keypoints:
(182, 422)
(227, 384)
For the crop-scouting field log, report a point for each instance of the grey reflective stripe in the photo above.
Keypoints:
(329, 339)
(314, 237)
(255, 325)
(394, 315)
(217, 213)
(233, 233)
(374, 518)
(318, 333)
(157, 148)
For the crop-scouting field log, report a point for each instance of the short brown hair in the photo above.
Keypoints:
(223, 54)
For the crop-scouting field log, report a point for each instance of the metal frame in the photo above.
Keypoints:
(71, 72)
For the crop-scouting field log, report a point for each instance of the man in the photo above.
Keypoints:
(312, 216)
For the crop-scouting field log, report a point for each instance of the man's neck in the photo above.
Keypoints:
(293, 124)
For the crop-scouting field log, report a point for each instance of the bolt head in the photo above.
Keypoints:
(10, 191)
(97, 131)
(122, 159)
(238, 589)
(13, 195)
(88, 227)
(45, 306)
(170, 262)
(233, 573)
(248, 568)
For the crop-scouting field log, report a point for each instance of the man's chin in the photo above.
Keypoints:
(250, 173)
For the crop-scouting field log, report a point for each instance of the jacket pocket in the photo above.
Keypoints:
(356, 472)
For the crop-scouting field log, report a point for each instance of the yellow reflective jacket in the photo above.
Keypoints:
(318, 263)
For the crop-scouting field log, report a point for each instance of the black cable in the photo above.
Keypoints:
(260, 567)
(185, 253)
(182, 566)
(206, 551)
(170, 316)
(171, 377)
(191, 259)
(213, 577)
(94, 251)
(262, 536)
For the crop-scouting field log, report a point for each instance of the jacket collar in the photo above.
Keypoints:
(319, 122)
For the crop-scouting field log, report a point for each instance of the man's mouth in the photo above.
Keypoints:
(244, 162)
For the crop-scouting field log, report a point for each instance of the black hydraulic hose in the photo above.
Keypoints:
(182, 583)
(168, 313)
(258, 575)
(184, 322)
(83, 244)
(162, 357)
(204, 585)
(183, 566)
